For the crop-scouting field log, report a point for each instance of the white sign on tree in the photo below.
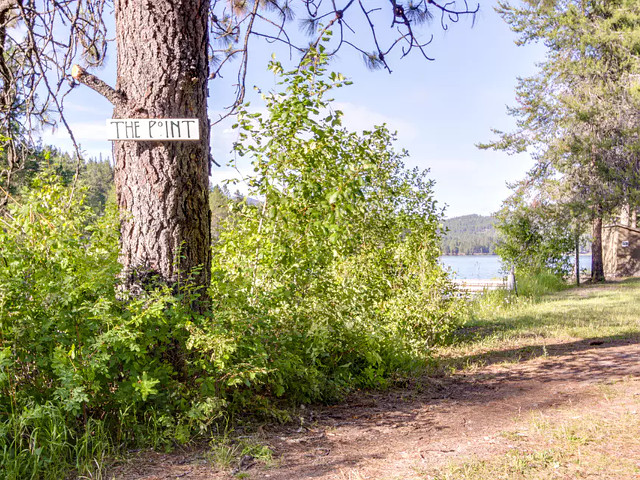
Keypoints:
(153, 129)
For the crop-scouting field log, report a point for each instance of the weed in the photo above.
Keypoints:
(226, 452)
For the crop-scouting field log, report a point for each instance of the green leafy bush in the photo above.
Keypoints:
(330, 283)
(534, 237)
(74, 358)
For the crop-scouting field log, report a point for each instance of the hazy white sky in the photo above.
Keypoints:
(440, 109)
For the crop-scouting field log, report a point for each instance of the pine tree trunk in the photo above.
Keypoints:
(162, 187)
(577, 260)
(597, 265)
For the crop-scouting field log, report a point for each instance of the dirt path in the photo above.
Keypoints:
(408, 433)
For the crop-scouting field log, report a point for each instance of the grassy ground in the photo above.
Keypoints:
(506, 329)
(601, 444)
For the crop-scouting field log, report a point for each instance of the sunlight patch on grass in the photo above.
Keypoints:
(523, 329)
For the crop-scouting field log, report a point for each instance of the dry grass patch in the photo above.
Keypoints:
(601, 444)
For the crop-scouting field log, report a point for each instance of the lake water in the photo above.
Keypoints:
(486, 266)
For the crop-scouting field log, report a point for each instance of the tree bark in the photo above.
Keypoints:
(577, 260)
(9, 111)
(597, 265)
(162, 187)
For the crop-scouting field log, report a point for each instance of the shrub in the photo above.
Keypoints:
(534, 237)
(331, 283)
(75, 359)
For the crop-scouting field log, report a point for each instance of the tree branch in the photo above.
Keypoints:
(116, 97)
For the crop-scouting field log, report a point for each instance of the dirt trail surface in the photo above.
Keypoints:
(409, 432)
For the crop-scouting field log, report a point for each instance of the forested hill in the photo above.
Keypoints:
(469, 235)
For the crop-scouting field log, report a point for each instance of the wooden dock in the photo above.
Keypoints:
(477, 286)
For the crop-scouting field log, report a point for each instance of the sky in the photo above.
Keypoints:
(440, 109)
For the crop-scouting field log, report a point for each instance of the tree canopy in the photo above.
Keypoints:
(578, 116)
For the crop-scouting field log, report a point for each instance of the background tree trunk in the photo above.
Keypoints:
(577, 266)
(162, 187)
(597, 265)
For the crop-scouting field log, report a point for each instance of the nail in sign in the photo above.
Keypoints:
(153, 129)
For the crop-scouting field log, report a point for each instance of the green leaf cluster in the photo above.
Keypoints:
(533, 238)
(328, 283)
(333, 278)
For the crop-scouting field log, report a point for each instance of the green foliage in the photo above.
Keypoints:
(329, 283)
(469, 235)
(533, 238)
(57, 265)
(333, 279)
(72, 349)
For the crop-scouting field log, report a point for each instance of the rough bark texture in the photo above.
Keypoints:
(577, 259)
(597, 265)
(8, 112)
(162, 187)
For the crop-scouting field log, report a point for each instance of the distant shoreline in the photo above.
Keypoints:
(469, 255)
(485, 254)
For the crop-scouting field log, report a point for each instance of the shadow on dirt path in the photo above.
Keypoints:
(409, 431)
(395, 434)
(531, 352)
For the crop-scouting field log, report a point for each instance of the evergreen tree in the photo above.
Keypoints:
(220, 204)
(578, 115)
(469, 235)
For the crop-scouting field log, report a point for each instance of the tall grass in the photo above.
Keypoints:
(536, 285)
(40, 443)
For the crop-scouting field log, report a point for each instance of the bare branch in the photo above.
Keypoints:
(116, 97)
